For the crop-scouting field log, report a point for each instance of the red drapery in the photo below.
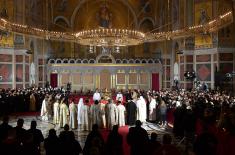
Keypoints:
(54, 78)
(155, 81)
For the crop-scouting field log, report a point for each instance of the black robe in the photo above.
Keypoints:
(131, 113)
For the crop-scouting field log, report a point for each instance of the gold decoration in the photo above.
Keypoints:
(117, 37)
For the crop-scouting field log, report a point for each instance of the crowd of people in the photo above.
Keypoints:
(204, 120)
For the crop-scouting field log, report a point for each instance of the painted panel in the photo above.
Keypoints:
(5, 86)
(189, 67)
(132, 78)
(143, 78)
(40, 73)
(77, 78)
(40, 61)
(6, 72)
(182, 72)
(64, 78)
(203, 58)
(88, 78)
(121, 78)
(204, 72)
(5, 58)
(189, 59)
(26, 73)
(168, 73)
(19, 73)
(226, 67)
(226, 56)
(19, 58)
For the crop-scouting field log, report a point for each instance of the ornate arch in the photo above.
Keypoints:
(125, 2)
(62, 18)
(146, 18)
(105, 55)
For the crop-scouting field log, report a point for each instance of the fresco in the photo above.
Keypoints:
(203, 14)
(6, 72)
(19, 73)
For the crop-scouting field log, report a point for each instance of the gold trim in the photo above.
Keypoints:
(102, 65)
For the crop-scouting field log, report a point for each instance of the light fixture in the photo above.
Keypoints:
(109, 37)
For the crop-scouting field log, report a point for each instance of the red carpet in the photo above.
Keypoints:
(123, 131)
(26, 114)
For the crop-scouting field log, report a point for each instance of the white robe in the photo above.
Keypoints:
(56, 111)
(73, 115)
(141, 109)
(44, 110)
(121, 115)
(64, 112)
(84, 117)
(152, 110)
(80, 104)
(111, 115)
(96, 96)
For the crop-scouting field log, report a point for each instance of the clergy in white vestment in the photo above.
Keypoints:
(56, 111)
(111, 114)
(96, 95)
(119, 97)
(152, 109)
(121, 114)
(141, 109)
(84, 113)
(44, 109)
(64, 113)
(73, 115)
(80, 104)
(95, 114)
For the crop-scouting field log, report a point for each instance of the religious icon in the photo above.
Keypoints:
(204, 18)
(104, 17)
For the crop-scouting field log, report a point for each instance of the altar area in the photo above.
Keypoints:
(105, 72)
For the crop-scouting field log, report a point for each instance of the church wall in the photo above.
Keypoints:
(14, 68)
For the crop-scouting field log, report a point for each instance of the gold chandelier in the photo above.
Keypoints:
(117, 37)
(110, 37)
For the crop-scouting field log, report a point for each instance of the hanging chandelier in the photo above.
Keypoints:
(107, 37)
(110, 37)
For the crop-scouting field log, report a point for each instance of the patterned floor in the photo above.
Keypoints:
(80, 135)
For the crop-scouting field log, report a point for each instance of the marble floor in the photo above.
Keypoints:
(45, 126)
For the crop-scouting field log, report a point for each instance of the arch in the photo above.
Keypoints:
(92, 61)
(125, 61)
(131, 61)
(150, 61)
(146, 24)
(144, 61)
(125, 2)
(51, 61)
(118, 61)
(78, 61)
(145, 19)
(63, 19)
(65, 61)
(137, 61)
(71, 61)
(85, 61)
(58, 61)
(105, 55)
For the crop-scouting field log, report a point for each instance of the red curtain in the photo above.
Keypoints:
(155, 81)
(54, 79)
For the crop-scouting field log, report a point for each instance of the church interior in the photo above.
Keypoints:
(180, 52)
